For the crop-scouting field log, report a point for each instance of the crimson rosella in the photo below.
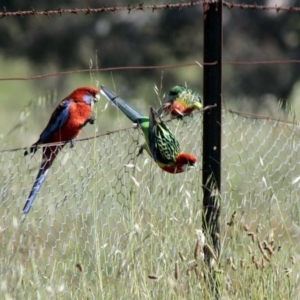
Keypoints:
(65, 124)
(161, 143)
(181, 101)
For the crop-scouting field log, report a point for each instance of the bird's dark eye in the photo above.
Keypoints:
(173, 92)
(91, 92)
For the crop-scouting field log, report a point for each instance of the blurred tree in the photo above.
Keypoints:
(120, 39)
(253, 35)
(163, 37)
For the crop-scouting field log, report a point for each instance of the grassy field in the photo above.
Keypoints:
(110, 225)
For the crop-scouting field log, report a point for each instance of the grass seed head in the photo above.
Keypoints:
(176, 273)
(79, 266)
(271, 240)
(231, 222)
(197, 271)
(263, 263)
(288, 272)
(201, 236)
(190, 269)
(229, 260)
(293, 260)
(242, 262)
(249, 249)
(210, 250)
(257, 265)
(182, 257)
(246, 227)
(198, 252)
(252, 235)
(268, 248)
(263, 252)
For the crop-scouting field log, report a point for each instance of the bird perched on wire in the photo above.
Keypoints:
(65, 124)
(181, 101)
(161, 144)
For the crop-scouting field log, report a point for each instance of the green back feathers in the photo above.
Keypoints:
(163, 145)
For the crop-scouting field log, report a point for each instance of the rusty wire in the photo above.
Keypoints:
(141, 7)
(90, 11)
(254, 6)
(122, 68)
(173, 66)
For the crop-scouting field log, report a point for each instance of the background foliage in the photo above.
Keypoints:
(38, 45)
(104, 229)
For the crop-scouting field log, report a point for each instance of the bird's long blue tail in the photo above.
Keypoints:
(131, 113)
(36, 187)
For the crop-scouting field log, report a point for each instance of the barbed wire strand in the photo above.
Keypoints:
(261, 7)
(141, 7)
(90, 11)
(35, 77)
(106, 70)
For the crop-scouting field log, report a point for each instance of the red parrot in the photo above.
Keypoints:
(65, 124)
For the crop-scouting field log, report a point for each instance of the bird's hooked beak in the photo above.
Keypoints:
(189, 166)
(96, 97)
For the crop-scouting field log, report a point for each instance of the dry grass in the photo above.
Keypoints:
(110, 225)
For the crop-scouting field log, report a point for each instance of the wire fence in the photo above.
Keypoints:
(110, 224)
(106, 218)
(99, 195)
(143, 7)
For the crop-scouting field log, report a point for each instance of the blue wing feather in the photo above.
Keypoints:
(57, 121)
(41, 177)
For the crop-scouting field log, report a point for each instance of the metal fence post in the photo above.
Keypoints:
(212, 94)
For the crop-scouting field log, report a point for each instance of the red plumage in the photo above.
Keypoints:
(183, 161)
(177, 108)
(65, 124)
